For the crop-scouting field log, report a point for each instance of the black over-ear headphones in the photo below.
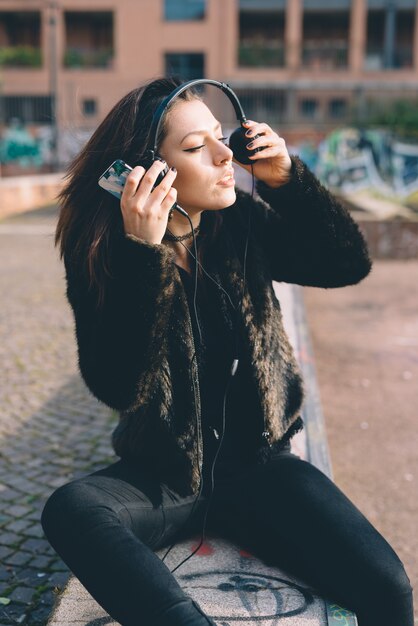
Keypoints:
(237, 140)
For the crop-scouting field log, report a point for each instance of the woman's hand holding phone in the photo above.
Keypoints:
(145, 210)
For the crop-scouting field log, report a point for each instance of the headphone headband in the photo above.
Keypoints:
(158, 115)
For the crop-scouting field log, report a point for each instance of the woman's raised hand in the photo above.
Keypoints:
(145, 210)
(272, 163)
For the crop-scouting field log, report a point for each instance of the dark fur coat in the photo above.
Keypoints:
(136, 353)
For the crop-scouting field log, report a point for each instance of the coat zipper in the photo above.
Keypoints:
(266, 434)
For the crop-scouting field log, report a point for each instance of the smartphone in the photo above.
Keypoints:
(114, 178)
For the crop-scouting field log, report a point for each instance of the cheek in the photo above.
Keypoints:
(191, 180)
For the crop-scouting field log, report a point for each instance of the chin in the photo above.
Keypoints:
(228, 199)
(221, 201)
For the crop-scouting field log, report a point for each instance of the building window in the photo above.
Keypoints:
(263, 103)
(404, 42)
(261, 39)
(20, 39)
(27, 109)
(308, 108)
(390, 38)
(325, 39)
(185, 65)
(88, 39)
(337, 108)
(175, 10)
(90, 106)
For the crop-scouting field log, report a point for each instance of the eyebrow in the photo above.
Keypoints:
(200, 132)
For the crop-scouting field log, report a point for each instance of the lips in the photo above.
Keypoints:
(227, 179)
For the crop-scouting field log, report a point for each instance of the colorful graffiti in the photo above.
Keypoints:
(20, 146)
(351, 159)
(31, 148)
(338, 616)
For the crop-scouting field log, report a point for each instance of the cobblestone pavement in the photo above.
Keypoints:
(51, 428)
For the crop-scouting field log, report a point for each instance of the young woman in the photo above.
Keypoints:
(144, 351)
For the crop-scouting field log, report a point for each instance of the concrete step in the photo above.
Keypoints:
(230, 585)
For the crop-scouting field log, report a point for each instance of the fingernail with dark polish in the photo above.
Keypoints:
(249, 145)
(249, 133)
(173, 169)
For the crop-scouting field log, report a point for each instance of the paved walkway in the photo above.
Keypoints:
(51, 428)
(365, 341)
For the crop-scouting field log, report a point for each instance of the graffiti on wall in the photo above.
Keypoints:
(32, 147)
(351, 159)
(21, 146)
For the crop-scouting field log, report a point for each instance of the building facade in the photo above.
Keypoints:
(304, 65)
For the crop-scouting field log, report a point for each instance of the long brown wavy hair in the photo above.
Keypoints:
(89, 216)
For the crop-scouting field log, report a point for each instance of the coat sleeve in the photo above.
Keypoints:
(308, 236)
(119, 342)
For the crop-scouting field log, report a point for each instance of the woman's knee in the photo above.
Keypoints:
(60, 507)
(55, 509)
(74, 507)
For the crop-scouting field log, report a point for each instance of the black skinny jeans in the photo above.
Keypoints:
(107, 525)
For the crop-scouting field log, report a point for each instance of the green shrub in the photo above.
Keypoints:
(399, 116)
(20, 56)
(76, 57)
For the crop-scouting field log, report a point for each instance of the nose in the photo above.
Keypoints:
(224, 153)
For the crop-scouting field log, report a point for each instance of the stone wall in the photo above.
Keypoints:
(22, 193)
(391, 239)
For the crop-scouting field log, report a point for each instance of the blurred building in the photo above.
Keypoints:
(304, 65)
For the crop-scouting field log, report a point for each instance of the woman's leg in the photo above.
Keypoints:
(292, 515)
(105, 527)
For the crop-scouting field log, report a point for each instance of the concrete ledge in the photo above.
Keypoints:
(390, 239)
(22, 193)
(229, 583)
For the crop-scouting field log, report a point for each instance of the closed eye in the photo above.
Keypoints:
(194, 149)
(223, 139)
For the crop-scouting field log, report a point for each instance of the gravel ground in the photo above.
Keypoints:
(365, 340)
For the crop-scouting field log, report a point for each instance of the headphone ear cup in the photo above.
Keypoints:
(162, 173)
(148, 160)
(238, 144)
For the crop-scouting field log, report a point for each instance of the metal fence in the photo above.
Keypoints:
(27, 109)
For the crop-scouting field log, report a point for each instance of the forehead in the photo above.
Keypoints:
(186, 116)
